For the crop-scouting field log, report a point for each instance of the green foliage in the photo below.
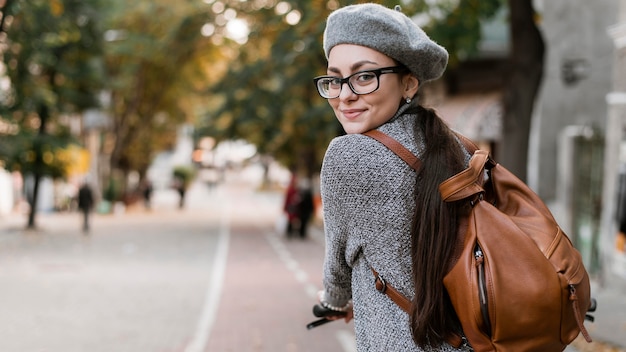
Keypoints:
(457, 25)
(31, 153)
(267, 95)
(154, 67)
(52, 60)
(183, 174)
(52, 55)
(113, 191)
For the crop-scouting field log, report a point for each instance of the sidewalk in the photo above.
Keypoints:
(137, 282)
(608, 331)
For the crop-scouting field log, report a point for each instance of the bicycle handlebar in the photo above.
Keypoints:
(322, 312)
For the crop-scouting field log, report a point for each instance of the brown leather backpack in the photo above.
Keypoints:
(518, 284)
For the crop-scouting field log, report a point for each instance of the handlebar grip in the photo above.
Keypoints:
(322, 312)
(318, 322)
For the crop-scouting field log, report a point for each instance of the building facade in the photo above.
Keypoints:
(576, 151)
(615, 159)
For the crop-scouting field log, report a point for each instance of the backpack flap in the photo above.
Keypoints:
(467, 182)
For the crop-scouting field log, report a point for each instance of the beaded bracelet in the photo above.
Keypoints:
(331, 307)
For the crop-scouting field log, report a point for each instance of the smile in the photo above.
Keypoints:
(352, 113)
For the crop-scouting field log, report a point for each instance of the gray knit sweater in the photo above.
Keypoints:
(368, 200)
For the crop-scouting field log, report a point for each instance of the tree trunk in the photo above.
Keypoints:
(526, 63)
(38, 166)
(7, 6)
(32, 200)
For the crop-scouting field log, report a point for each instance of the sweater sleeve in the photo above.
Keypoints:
(350, 187)
(335, 174)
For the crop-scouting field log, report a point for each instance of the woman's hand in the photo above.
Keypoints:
(346, 313)
(349, 315)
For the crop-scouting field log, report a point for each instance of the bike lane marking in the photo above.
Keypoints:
(214, 290)
(346, 339)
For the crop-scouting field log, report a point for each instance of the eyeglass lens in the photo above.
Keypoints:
(359, 83)
(362, 82)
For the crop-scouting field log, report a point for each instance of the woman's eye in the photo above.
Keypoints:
(365, 77)
(334, 81)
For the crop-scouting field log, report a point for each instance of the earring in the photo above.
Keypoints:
(408, 100)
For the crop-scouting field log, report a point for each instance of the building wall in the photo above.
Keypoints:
(6, 193)
(614, 261)
(575, 31)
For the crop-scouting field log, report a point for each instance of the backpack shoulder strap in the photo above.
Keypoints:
(396, 147)
(469, 145)
(415, 163)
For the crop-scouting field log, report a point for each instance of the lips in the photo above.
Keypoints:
(352, 114)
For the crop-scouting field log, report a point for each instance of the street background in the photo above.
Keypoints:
(217, 275)
(214, 276)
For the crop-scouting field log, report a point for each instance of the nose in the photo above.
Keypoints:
(346, 93)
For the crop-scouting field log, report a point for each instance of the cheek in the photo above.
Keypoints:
(385, 106)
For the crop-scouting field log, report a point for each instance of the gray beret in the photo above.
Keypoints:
(389, 32)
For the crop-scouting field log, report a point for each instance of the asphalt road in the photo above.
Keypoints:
(215, 276)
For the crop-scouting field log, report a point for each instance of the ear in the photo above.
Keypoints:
(411, 84)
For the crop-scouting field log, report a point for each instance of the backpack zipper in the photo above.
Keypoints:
(482, 287)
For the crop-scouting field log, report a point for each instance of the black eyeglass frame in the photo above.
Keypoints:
(342, 81)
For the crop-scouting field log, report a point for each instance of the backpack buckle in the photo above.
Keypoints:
(381, 284)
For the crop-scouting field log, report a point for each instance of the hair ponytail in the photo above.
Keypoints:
(434, 232)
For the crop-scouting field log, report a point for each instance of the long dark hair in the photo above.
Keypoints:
(434, 232)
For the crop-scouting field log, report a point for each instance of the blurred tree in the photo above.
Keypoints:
(156, 56)
(51, 57)
(267, 96)
(457, 25)
(526, 60)
(459, 31)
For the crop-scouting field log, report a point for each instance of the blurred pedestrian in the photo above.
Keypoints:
(147, 193)
(291, 205)
(378, 212)
(180, 187)
(306, 207)
(620, 238)
(85, 203)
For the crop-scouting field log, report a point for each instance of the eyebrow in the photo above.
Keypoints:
(354, 66)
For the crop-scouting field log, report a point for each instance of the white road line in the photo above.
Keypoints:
(291, 264)
(214, 290)
(345, 337)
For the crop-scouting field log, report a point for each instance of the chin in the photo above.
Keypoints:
(354, 129)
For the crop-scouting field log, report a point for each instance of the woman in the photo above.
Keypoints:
(378, 212)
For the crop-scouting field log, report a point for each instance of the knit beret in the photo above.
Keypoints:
(387, 31)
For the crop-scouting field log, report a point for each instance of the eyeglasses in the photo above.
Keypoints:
(362, 82)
